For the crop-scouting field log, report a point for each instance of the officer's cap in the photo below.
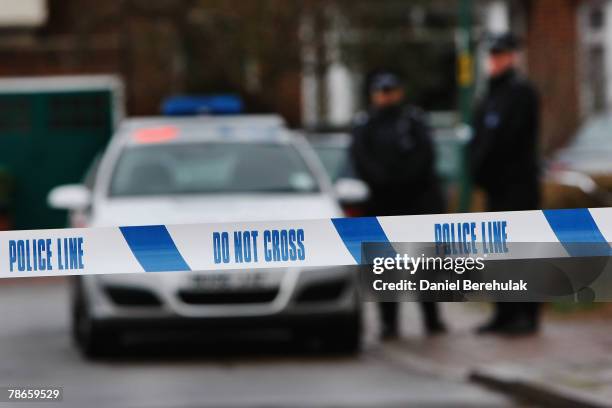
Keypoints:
(385, 81)
(506, 42)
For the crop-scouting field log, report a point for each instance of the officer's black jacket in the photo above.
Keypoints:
(504, 150)
(392, 152)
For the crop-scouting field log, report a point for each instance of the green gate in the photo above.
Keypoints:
(49, 138)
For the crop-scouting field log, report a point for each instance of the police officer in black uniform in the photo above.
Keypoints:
(393, 153)
(504, 159)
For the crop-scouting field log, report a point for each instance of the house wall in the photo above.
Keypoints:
(552, 45)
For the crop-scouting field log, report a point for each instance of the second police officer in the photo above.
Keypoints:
(504, 159)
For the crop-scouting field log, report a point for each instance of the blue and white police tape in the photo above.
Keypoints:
(299, 243)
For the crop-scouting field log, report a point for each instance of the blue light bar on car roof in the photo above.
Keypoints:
(196, 105)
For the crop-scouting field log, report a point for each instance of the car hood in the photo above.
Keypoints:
(230, 208)
(585, 160)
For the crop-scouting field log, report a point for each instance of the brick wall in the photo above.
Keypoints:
(553, 52)
(145, 43)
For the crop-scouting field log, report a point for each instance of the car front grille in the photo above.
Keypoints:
(132, 297)
(322, 291)
(199, 297)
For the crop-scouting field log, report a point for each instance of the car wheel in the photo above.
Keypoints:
(93, 340)
(344, 337)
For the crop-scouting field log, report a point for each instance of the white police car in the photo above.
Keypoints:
(208, 169)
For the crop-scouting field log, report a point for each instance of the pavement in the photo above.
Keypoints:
(569, 363)
(35, 349)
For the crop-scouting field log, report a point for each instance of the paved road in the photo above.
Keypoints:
(35, 349)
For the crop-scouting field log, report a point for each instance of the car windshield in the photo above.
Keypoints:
(205, 168)
(594, 135)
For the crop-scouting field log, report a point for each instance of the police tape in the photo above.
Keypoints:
(282, 244)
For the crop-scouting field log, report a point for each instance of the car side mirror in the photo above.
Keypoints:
(351, 191)
(69, 197)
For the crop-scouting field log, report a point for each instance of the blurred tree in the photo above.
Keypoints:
(257, 48)
(414, 38)
(249, 47)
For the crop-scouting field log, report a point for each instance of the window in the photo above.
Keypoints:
(15, 114)
(78, 111)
